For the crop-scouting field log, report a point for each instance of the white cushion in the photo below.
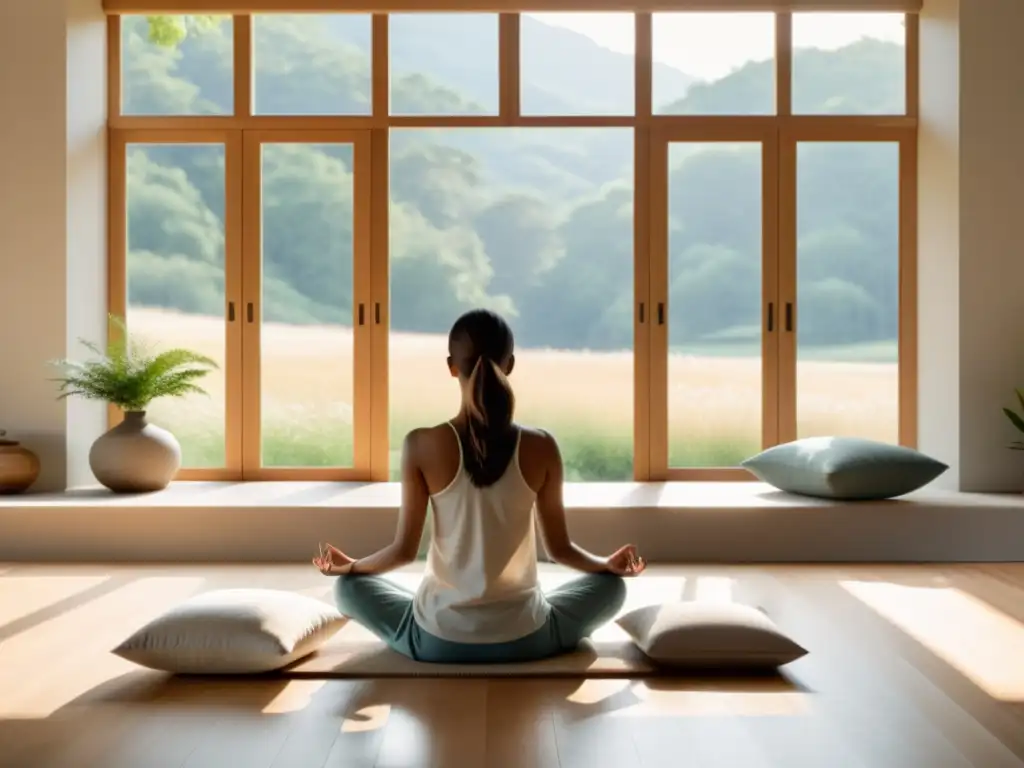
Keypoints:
(233, 631)
(709, 634)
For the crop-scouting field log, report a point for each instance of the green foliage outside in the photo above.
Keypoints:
(535, 223)
(588, 457)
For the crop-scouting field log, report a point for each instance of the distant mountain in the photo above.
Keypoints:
(867, 77)
(561, 71)
(534, 222)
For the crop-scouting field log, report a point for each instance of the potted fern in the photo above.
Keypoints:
(1017, 419)
(135, 456)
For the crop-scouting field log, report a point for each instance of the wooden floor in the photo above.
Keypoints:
(910, 667)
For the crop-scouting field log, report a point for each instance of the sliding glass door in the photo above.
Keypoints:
(714, 314)
(305, 313)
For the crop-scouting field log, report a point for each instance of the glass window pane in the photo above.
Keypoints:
(848, 290)
(306, 341)
(538, 225)
(312, 64)
(458, 76)
(714, 334)
(849, 64)
(175, 266)
(177, 65)
(713, 63)
(577, 64)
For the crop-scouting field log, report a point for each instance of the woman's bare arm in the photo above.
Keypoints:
(412, 516)
(551, 513)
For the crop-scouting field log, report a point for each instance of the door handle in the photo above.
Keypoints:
(789, 316)
(771, 316)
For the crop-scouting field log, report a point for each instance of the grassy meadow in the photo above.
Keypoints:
(584, 398)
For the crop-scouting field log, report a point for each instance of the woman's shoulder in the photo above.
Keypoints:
(429, 435)
(536, 438)
(538, 456)
(428, 439)
(424, 442)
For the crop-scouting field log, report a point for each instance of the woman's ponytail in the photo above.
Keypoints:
(490, 409)
(480, 352)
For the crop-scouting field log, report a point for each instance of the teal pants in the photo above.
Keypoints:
(385, 608)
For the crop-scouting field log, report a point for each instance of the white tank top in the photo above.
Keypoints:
(481, 581)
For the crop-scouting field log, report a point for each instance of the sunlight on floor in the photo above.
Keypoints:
(415, 740)
(982, 643)
(660, 698)
(367, 719)
(594, 691)
(294, 697)
(24, 595)
(716, 703)
(33, 690)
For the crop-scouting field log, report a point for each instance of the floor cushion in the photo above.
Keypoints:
(233, 631)
(709, 634)
(844, 468)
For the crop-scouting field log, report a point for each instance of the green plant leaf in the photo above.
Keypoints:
(1020, 399)
(128, 375)
(1018, 422)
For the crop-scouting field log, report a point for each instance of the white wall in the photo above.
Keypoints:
(33, 231)
(991, 239)
(939, 238)
(51, 213)
(86, 196)
(971, 245)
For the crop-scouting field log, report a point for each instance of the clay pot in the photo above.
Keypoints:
(135, 456)
(19, 467)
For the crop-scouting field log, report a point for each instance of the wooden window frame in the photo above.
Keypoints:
(777, 133)
(753, 133)
(252, 296)
(117, 272)
(236, 7)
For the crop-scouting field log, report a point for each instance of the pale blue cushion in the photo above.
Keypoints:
(844, 468)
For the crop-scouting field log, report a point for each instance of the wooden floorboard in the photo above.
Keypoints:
(891, 698)
(910, 667)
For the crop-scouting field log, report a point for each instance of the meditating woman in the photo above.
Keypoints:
(480, 600)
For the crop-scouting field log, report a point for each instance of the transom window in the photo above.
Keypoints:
(700, 226)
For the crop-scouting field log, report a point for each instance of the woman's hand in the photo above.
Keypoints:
(332, 561)
(626, 562)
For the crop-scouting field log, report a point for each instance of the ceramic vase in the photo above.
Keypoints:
(135, 456)
(19, 467)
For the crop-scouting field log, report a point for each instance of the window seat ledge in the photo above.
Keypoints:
(578, 496)
(680, 522)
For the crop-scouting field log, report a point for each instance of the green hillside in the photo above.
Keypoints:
(536, 223)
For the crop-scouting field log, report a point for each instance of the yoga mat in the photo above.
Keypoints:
(351, 654)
